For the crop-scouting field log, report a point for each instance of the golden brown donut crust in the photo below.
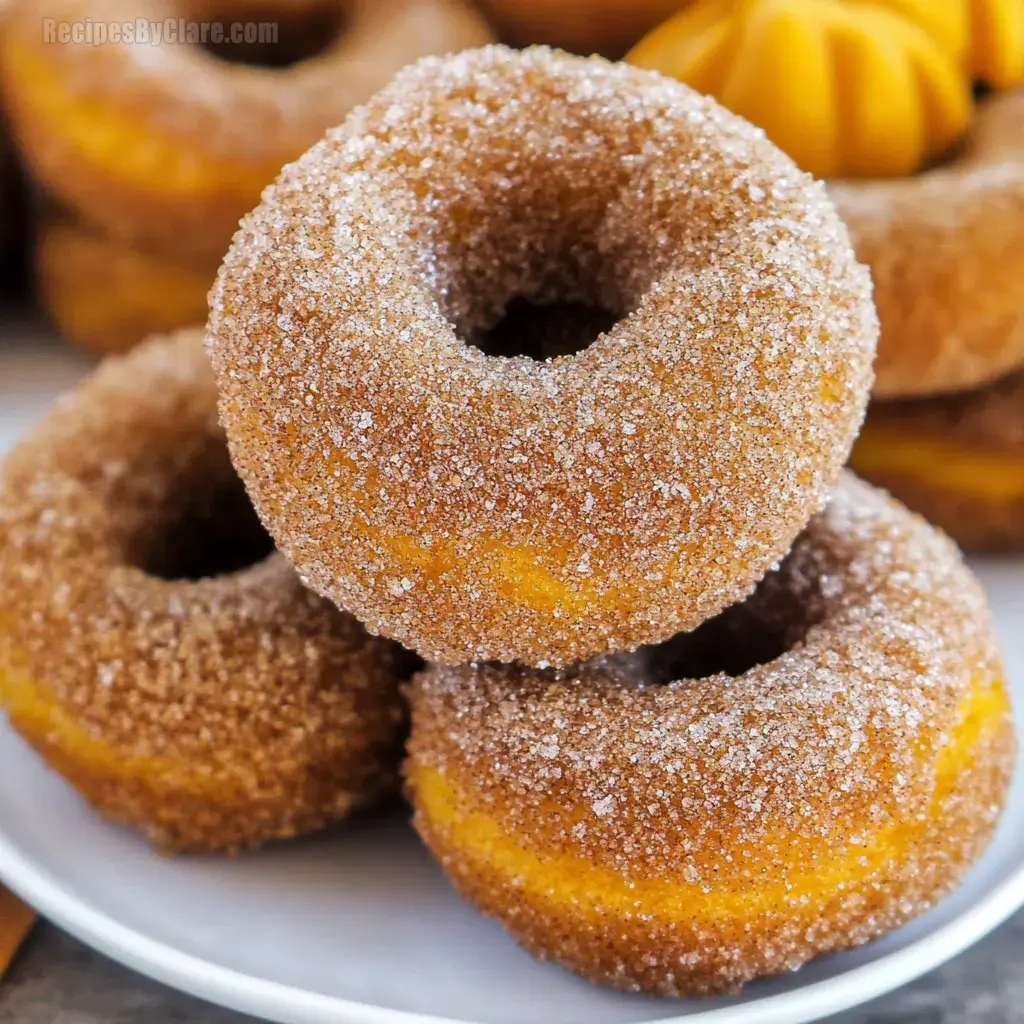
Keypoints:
(106, 295)
(958, 460)
(946, 251)
(169, 146)
(476, 506)
(685, 838)
(211, 713)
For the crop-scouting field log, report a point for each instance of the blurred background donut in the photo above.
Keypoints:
(104, 293)
(171, 144)
(608, 27)
(957, 459)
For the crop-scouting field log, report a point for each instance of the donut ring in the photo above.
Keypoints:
(685, 838)
(482, 507)
(946, 250)
(211, 713)
(172, 150)
(106, 295)
(958, 460)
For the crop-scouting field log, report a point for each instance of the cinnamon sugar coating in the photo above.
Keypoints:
(683, 837)
(946, 251)
(958, 460)
(479, 507)
(169, 144)
(213, 712)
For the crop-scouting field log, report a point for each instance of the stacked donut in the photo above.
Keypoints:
(930, 180)
(698, 705)
(946, 248)
(153, 647)
(148, 149)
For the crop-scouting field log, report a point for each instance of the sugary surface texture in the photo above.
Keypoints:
(483, 507)
(718, 828)
(946, 251)
(211, 713)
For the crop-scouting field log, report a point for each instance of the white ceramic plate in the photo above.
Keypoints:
(360, 927)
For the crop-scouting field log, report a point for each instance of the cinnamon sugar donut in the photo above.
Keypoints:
(946, 250)
(958, 460)
(171, 145)
(476, 506)
(210, 711)
(107, 295)
(833, 757)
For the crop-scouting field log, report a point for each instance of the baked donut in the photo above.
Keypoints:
(107, 295)
(154, 650)
(957, 459)
(170, 144)
(946, 251)
(834, 755)
(475, 506)
(608, 27)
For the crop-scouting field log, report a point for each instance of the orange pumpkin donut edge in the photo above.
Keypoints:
(106, 295)
(957, 459)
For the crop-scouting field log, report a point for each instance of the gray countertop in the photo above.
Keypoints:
(56, 980)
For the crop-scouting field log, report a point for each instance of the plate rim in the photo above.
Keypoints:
(287, 1004)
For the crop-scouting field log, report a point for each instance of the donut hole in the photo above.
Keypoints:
(211, 530)
(275, 39)
(773, 621)
(722, 646)
(540, 259)
(543, 331)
